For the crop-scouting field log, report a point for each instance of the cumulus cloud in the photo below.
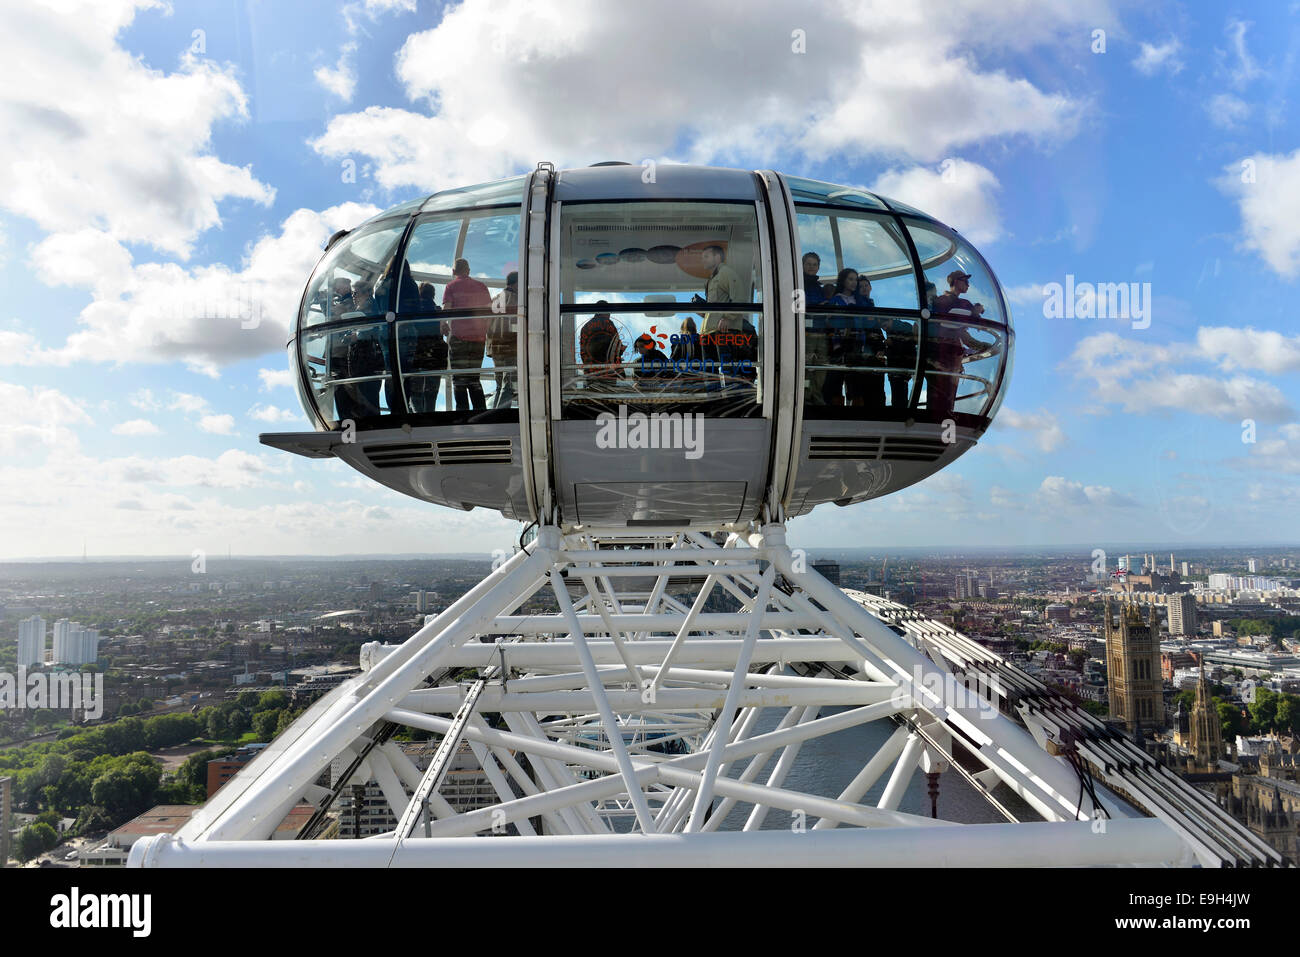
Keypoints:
(135, 427)
(217, 424)
(342, 79)
(275, 379)
(1042, 426)
(1258, 349)
(1060, 492)
(1140, 377)
(271, 413)
(876, 78)
(958, 192)
(1154, 58)
(205, 317)
(36, 417)
(1266, 187)
(108, 143)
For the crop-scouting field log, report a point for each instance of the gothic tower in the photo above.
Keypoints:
(1133, 680)
(1206, 744)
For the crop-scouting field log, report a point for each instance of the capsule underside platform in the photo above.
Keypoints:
(604, 347)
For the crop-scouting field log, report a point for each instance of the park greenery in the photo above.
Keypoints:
(105, 775)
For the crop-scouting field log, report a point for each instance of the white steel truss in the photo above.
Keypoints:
(623, 726)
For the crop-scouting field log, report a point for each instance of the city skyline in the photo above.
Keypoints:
(142, 348)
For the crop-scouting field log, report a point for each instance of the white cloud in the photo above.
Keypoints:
(512, 81)
(1239, 64)
(340, 80)
(106, 142)
(218, 424)
(1154, 58)
(187, 403)
(144, 400)
(1027, 294)
(275, 378)
(1043, 427)
(1060, 492)
(1267, 189)
(1258, 349)
(270, 413)
(135, 427)
(1226, 111)
(206, 316)
(1140, 378)
(959, 193)
(37, 416)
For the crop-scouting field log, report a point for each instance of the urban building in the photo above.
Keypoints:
(31, 642)
(830, 570)
(73, 644)
(1182, 614)
(1252, 566)
(221, 770)
(1133, 681)
(1205, 729)
(1057, 612)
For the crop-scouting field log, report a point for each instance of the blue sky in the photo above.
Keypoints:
(173, 165)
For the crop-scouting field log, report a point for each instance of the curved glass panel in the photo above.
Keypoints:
(435, 380)
(501, 192)
(956, 281)
(639, 252)
(904, 208)
(812, 191)
(487, 241)
(858, 360)
(347, 372)
(660, 362)
(352, 280)
(961, 367)
(403, 209)
(831, 241)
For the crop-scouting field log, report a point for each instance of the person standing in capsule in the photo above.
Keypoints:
(467, 336)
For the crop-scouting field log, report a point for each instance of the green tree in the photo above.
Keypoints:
(238, 722)
(265, 723)
(1263, 711)
(218, 726)
(275, 698)
(34, 839)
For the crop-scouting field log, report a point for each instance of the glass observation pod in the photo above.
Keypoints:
(588, 348)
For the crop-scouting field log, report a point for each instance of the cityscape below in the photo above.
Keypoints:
(196, 667)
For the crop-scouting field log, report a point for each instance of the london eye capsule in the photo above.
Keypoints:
(604, 347)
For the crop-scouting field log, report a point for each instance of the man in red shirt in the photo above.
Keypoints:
(466, 336)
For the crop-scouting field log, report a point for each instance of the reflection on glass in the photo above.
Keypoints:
(486, 241)
(872, 246)
(960, 368)
(353, 279)
(858, 361)
(647, 363)
(812, 191)
(957, 283)
(427, 365)
(347, 372)
(661, 252)
(502, 192)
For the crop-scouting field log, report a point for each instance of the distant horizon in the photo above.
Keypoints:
(1112, 550)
